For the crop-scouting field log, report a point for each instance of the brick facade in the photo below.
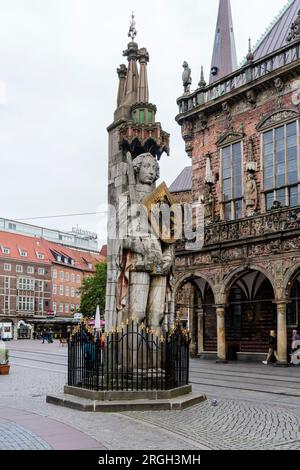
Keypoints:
(40, 281)
(247, 273)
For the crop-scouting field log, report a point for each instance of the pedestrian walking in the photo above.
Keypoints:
(272, 353)
(50, 336)
(44, 336)
(295, 341)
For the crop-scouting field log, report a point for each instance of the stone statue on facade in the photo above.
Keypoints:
(251, 196)
(186, 77)
(208, 201)
(145, 260)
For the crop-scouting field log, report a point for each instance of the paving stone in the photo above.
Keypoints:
(15, 437)
(243, 419)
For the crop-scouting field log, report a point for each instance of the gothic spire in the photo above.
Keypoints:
(122, 73)
(143, 89)
(132, 77)
(224, 60)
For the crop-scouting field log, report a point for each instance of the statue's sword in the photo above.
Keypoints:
(131, 180)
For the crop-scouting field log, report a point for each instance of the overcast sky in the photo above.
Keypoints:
(58, 60)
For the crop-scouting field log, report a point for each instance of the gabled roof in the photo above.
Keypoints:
(183, 182)
(276, 35)
(15, 243)
(36, 245)
(81, 259)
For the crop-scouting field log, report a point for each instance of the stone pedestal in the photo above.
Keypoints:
(114, 402)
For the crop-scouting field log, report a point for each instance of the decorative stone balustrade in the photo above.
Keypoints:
(274, 222)
(243, 76)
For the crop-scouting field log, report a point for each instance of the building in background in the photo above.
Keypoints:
(40, 284)
(241, 132)
(77, 238)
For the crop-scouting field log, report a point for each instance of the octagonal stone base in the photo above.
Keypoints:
(109, 402)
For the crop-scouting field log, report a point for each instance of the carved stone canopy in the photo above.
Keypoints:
(209, 176)
(276, 117)
(251, 165)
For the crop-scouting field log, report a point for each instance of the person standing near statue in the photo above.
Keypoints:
(272, 353)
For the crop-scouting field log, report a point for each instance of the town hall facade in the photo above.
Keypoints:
(241, 131)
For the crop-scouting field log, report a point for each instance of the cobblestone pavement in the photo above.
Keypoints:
(231, 425)
(251, 412)
(15, 437)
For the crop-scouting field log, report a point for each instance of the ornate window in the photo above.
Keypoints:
(232, 188)
(280, 160)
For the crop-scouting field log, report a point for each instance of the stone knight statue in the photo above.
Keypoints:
(145, 261)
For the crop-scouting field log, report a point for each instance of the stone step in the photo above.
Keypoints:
(125, 395)
(83, 404)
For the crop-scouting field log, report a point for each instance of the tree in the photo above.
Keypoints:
(93, 291)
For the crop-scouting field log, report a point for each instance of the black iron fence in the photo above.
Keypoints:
(130, 358)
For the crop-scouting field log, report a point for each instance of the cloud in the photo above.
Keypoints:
(58, 62)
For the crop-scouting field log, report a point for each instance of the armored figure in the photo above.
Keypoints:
(250, 195)
(145, 261)
(208, 201)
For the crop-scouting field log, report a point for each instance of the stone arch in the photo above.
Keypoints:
(232, 277)
(289, 276)
(250, 310)
(194, 299)
(189, 278)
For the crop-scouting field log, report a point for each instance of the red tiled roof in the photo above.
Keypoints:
(16, 243)
(33, 245)
(82, 259)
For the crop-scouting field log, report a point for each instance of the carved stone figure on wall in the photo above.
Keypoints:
(251, 197)
(145, 261)
(227, 111)
(279, 88)
(209, 204)
(251, 98)
(186, 77)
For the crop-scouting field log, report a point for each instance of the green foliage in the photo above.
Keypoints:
(93, 292)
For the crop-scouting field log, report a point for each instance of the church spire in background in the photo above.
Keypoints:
(224, 59)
